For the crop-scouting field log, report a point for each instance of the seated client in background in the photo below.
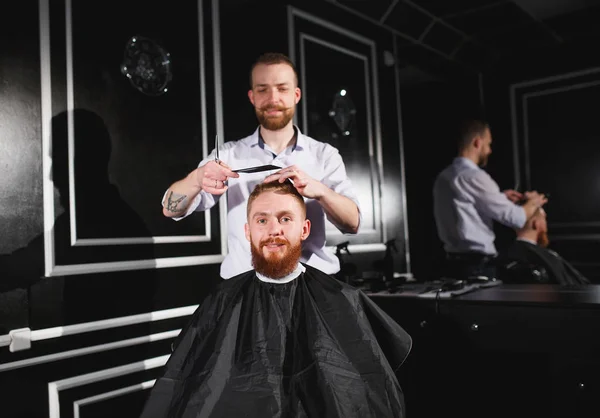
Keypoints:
(529, 260)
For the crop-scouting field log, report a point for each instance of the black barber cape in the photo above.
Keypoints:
(554, 268)
(312, 347)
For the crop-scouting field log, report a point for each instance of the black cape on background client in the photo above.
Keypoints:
(283, 343)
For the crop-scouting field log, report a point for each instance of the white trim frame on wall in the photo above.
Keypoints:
(54, 388)
(88, 327)
(53, 269)
(520, 93)
(110, 395)
(309, 38)
(372, 91)
(402, 164)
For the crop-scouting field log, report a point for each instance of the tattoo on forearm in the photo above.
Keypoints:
(175, 201)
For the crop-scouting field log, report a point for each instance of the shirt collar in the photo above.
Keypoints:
(467, 162)
(256, 140)
(526, 240)
(294, 274)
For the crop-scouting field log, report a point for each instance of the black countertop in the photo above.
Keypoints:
(526, 294)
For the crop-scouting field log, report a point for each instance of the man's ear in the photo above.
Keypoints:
(297, 94)
(305, 230)
(247, 232)
(251, 96)
(477, 142)
(534, 224)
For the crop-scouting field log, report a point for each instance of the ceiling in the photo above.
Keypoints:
(478, 34)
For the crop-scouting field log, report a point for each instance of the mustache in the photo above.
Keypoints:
(276, 241)
(273, 107)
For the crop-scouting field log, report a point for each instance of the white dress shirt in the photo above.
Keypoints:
(317, 159)
(466, 201)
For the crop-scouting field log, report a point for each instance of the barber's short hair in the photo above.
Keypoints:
(468, 130)
(272, 58)
(285, 188)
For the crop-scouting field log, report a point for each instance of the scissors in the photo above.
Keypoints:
(217, 160)
(258, 169)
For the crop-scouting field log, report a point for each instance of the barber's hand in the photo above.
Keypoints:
(306, 185)
(537, 198)
(513, 195)
(212, 177)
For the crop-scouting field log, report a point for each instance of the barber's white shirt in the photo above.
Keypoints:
(319, 160)
(466, 202)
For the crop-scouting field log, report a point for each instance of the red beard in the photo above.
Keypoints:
(276, 265)
(274, 123)
(543, 240)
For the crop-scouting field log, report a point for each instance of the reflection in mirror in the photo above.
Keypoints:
(342, 112)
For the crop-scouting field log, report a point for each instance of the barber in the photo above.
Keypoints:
(467, 201)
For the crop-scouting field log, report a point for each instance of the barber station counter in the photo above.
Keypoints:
(500, 350)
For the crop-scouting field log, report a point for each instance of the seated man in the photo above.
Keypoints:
(284, 339)
(528, 260)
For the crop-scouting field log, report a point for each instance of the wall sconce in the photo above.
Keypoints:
(147, 65)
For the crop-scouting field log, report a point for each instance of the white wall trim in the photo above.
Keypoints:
(51, 268)
(54, 388)
(515, 90)
(402, 163)
(332, 26)
(65, 355)
(114, 266)
(89, 242)
(75, 241)
(219, 112)
(49, 333)
(554, 78)
(110, 395)
(363, 248)
(56, 332)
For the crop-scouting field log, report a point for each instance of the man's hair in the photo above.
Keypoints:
(468, 130)
(272, 58)
(285, 188)
(539, 213)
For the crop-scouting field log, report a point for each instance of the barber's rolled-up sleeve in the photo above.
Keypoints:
(489, 200)
(336, 178)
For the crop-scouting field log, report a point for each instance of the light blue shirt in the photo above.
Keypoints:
(466, 201)
(319, 160)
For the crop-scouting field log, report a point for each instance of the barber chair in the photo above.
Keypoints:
(521, 272)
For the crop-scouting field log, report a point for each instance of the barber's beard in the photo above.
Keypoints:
(276, 265)
(483, 160)
(543, 240)
(275, 123)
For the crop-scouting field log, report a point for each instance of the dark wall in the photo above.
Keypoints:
(556, 144)
(127, 147)
(431, 113)
(552, 123)
(21, 214)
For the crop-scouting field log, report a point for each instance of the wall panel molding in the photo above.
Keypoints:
(50, 39)
(533, 105)
(306, 31)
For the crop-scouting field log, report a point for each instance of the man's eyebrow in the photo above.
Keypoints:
(278, 214)
(285, 83)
